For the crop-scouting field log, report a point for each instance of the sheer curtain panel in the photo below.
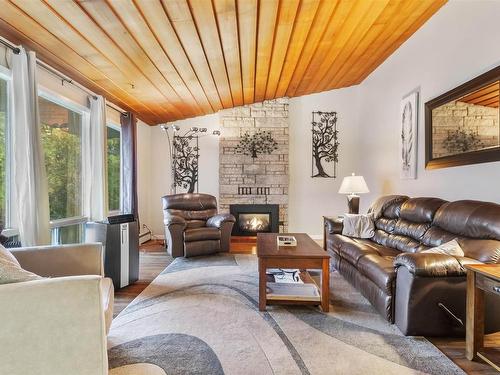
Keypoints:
(30, 180)
(94, 151)
(129, 164)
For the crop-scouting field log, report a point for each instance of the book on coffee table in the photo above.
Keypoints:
(294, 292)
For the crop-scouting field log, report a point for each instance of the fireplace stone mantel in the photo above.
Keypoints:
(261, 180)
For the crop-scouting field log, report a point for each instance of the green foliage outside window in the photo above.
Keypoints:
(113, 146)
(61, 141)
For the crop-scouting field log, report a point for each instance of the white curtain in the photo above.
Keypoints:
(30, 180)
(94, 151)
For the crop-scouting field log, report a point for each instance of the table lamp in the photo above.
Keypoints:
(353, 185)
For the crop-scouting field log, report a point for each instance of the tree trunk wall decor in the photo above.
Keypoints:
(325, 144)
(185, 162)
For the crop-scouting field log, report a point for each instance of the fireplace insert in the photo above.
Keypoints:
(255, 218)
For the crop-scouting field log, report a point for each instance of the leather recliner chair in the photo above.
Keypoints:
(193, 227)
(422, 293)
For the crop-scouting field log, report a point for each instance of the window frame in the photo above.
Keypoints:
(119, 129)
(10, 220)
(63, 101)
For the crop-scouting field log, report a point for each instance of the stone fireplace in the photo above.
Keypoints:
(259, 181)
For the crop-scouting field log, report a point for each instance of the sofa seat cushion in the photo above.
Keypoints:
(379, 269)
(352, 249)
(201, 234)
(383, 251)
(107, 296)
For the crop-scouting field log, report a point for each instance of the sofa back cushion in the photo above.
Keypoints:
(11, 271)
(476, 224)
(190, 206)
(408, 224)
(385, 211)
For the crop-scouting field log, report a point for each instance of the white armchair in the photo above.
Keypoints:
(57, 325)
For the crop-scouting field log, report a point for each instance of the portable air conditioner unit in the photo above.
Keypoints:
(121, 248)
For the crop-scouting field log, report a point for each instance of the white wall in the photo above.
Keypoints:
(311, 198)
(458, 43)
(160, 181)
(144, 175)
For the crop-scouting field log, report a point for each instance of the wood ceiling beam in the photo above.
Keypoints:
(229, 36)
(206, 25)
(351, 24)
(180, 16)
(412, 23)
(284, 28)
(308, 10)
(247, 24)
(18, 37)
(47, 19)
(143, 87)
(268, 14)
(350, 56)
(164, 34)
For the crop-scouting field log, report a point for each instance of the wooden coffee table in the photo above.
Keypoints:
(306, 255)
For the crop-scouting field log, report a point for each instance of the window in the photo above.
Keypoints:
(62, 126)
(113, 147)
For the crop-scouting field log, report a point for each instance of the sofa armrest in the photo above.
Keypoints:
(174, 234)
(53, 326)
(62, 260)
(334, 225)
(217, 220)
(225, 223)
(430, 265)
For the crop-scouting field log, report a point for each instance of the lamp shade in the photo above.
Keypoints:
(353, 185)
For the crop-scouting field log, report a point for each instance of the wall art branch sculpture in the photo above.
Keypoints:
(325, 144)
(257, 143)
(185, 163)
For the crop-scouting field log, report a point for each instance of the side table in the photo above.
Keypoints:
(480, 278)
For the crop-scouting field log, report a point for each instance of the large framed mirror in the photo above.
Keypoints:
(462, 125)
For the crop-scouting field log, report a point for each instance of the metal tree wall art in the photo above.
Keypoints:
(325, 144)
(261, 142)
(186, 155)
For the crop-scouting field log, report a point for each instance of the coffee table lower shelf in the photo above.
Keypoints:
(289, 295)
(294, 299)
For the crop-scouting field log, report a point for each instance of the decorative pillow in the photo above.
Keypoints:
(7, 255)
(358, 226)
(449, 248)
(11, 271)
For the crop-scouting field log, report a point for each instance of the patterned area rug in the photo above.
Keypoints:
(200, 316)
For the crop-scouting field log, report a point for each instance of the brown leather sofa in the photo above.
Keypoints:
(193, 227)
(422, 293)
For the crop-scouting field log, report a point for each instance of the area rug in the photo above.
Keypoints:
(200, 316)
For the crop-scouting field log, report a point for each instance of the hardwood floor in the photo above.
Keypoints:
(154, 259)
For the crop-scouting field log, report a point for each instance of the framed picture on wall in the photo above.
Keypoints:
(409, 135)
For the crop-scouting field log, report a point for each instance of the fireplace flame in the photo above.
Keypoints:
(256, 223)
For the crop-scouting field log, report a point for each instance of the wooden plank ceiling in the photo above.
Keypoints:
(173, 59)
